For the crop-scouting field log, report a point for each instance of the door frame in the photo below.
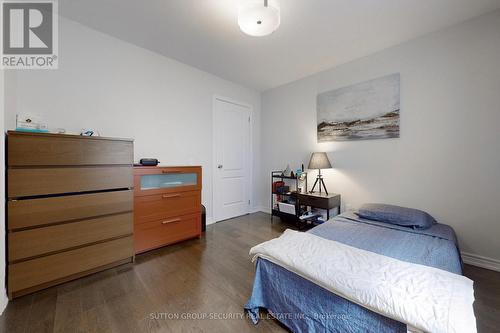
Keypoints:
(215, 213)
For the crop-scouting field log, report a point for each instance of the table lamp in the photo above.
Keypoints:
(319, 161)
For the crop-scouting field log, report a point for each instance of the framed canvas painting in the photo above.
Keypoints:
(364, 111)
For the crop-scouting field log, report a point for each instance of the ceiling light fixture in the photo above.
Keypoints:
(259, 17)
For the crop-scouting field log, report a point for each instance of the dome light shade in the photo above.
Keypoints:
(259, 17)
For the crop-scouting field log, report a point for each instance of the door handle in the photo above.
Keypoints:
(219, 166)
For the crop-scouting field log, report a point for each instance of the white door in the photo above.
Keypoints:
(232, 159)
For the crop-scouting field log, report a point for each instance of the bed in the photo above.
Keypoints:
(304, 306)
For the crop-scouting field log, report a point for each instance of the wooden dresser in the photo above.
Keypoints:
(69, 208)
(167, 206)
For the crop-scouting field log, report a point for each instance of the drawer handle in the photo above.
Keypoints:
(170, 171)
(171, 221)
(168, 196)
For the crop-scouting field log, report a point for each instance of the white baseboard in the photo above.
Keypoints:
(480, 261)
(3, 301)
(254, 209)
(261, 209)
(210, 220)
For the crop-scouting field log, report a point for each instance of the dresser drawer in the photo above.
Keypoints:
(45, 150)
(155, 234)
(51, 268)
(39, 241)
(43, 211)
(159, 206)
(43, 181)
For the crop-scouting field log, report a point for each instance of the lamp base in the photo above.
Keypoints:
(320, 182)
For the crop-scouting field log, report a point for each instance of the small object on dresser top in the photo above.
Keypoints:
(59, 131)
(27, 122)
(89, 132)
(149, 162)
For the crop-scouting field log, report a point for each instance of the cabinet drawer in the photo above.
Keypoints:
(161, 180)
(159, 206)
(312, 201)
(32, 182)
(39, 241)
(46, 150)
(319, 202)
(38, 271)
(43, 211)
(155, 234)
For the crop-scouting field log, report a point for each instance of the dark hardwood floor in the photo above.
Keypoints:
(211, 276)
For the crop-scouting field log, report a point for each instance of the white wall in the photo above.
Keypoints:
(447, 160)
(125, 91)
(3, 295)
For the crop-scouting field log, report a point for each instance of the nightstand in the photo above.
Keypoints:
(319, 200)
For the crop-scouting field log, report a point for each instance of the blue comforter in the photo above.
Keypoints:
(306, 307)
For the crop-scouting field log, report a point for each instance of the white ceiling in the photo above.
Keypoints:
(314, 34)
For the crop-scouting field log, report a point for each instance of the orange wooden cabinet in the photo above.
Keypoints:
(167, 206)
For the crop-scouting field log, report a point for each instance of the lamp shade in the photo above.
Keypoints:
(319, 161)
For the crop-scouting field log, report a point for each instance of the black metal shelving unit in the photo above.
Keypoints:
(275, 209)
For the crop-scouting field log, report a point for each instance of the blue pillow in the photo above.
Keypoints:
(402, 216)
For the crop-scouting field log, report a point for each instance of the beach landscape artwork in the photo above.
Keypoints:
(364, 111)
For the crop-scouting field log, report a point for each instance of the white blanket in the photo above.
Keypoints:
(425, 298)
